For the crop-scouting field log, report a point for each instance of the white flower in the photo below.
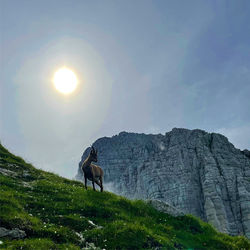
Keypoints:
(1, 242)
(91, 222)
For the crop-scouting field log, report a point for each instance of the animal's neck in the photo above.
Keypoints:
(87, 162)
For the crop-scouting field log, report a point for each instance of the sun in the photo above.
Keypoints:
(65, 80)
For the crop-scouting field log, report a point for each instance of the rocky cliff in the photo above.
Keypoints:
(197, 172)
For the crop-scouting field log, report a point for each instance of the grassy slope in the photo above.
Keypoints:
(57, 213)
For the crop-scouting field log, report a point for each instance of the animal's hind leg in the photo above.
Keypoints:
(98, 183)
(101, 184)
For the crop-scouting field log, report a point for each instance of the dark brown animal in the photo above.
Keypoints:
(91, 171)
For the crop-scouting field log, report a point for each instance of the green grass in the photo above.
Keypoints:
(57, 213)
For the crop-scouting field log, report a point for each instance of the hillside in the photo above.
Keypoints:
(197, 172)
(50, 212)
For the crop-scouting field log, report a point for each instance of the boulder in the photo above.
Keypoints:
(12, 233)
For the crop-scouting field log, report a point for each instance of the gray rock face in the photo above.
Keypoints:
(246, 153)
(196, 172)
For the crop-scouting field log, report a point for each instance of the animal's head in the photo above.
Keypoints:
(93, 154)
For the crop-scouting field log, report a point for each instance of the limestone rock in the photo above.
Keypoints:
(246, 153)
(194, 171)
(13, 233)
(7, 172)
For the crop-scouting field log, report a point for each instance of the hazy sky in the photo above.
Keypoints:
(143, 66)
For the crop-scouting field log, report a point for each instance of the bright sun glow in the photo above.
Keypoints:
(65, 80)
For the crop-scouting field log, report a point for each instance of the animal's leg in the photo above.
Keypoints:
(93, 183)
(93, 178)
(98, 183)
(85, 181)
(101, 183)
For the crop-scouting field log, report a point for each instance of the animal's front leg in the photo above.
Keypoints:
(93, 183)
(85, 181)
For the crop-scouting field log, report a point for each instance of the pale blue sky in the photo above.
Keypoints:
(143, 66)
